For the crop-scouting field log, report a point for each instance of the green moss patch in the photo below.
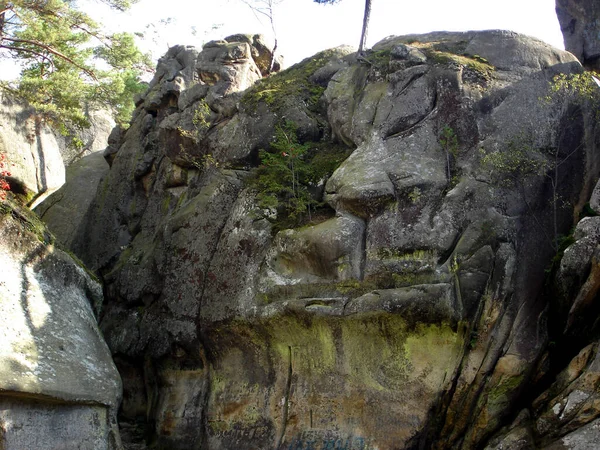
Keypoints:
(291, 85)
(444, 53)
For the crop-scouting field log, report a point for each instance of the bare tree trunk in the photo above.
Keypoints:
(265, 8)
(363, 35)
(272, 20)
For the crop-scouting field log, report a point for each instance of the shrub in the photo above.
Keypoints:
(4, 172)
(291, 175)
(283, 177)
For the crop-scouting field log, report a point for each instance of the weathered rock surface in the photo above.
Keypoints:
(578, 282)
(64, 210)
(573, 400)
(582, 439)
(409, 313)
(59, 387)
(580, 26)
(32, 149)
(37, 153)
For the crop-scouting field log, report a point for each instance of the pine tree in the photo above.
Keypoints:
(366, 17)
(59, 48)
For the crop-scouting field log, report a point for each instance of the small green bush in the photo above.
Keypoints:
(289, 175)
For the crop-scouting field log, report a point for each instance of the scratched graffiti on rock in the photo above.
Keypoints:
(328, 440)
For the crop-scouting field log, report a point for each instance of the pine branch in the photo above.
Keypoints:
(33, 52)
(55, 53)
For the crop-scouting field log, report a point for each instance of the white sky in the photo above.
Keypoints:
(305, 27)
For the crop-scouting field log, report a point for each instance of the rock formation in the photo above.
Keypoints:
(59, 387)
(407, 309)
(580, 25)
(38, 153)
(65, 209)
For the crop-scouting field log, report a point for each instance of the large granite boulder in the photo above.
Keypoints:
(406, 310)
(59, 387)
(580, 25)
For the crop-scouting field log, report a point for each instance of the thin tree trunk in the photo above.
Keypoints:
(363, 36)
(272, 20)
(265, 8)
(272, 64)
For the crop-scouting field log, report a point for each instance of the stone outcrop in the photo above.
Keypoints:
(37, 153)
(408, 310)
(59, 387)
(580, 25)
(64, 210)
(32, 149)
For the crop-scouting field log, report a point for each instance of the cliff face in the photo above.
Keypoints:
(59, 387)
(405, 310)
(580, 27)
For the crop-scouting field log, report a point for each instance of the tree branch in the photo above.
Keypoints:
(33, 52)
(55, 53)
(256, 9)
(98, 36)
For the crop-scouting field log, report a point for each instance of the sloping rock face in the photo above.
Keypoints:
(59, 387)
(65, 209)
(407, 311)
(580, 25)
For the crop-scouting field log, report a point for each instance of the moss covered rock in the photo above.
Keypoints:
(405, 311)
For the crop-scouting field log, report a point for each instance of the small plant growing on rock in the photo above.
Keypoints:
(202, 163)
(291, 176)
(449, 142)
(201, 117)
(201, 123)
(580, 87)
(283, 176)
(4, 172)
(415, 195)
(513, 164)
(513, 167)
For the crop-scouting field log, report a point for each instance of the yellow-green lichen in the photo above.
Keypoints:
(434, 351)
(165, 203)
(389, 253)
(454, 53)
(502, 392)
(373, 351)
(405, 279)
(313, 346)
(326, 367)
(292, 84)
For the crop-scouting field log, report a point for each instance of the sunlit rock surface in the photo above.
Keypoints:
(408, 311)
(37, 154)
(59, 387)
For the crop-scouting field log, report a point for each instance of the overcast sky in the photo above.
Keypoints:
(304, 27)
